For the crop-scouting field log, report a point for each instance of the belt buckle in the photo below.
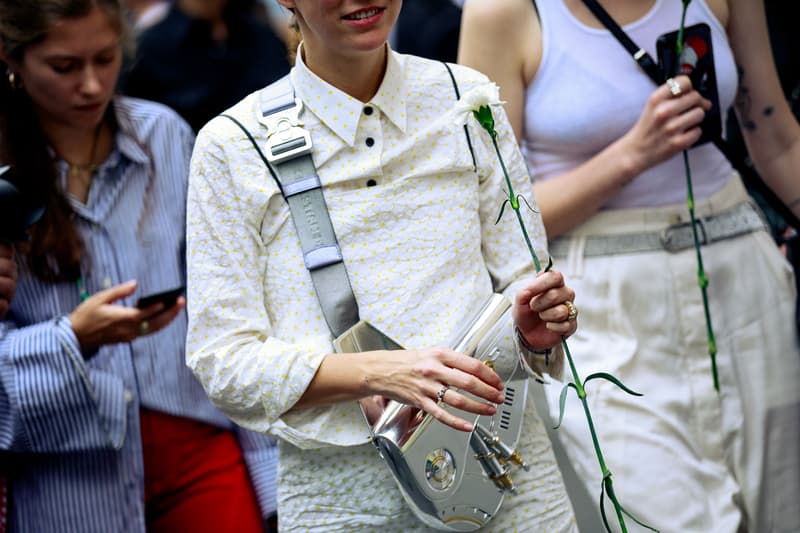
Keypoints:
(671, 236)
(286, 137)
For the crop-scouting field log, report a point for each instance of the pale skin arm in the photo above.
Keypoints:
(415, 377)
(666, 126)
(770, 130)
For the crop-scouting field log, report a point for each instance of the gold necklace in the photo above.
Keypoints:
(84, 173)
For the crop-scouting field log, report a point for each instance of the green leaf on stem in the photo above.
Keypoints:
(629, 515)
(502, 208)
(602, 503)
(612, 379)
(562, 402)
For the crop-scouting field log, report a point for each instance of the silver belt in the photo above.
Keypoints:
(738, 220)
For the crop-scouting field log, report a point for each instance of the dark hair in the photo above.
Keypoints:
(55, 248)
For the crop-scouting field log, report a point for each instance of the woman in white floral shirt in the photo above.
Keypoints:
(415, 220)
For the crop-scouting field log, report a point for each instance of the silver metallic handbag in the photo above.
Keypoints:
(454, 480)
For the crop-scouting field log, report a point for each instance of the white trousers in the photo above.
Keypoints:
(685, 458)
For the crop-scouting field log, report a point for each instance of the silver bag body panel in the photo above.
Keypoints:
(453, 480)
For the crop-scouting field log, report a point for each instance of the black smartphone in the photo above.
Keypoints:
(697, 62)
(168, 298)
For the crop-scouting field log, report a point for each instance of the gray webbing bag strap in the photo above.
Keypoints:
(288, 157)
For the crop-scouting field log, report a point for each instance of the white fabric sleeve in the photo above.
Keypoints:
(248, 373)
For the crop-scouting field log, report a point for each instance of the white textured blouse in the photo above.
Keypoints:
(415, 221)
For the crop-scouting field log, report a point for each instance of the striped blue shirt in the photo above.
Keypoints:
(69, 428)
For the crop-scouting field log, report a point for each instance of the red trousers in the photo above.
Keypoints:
(195, 478)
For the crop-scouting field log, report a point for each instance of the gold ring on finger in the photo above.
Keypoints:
(144, 327)
(572, 310)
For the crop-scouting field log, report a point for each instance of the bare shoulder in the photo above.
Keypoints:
(498, 16)
(721, 10)
(507, 27)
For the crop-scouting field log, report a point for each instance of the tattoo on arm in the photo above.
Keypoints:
(744, 102)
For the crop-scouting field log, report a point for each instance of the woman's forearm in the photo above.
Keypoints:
(566, 201)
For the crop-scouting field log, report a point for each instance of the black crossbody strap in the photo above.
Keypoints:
(638, 53)
(645, 61)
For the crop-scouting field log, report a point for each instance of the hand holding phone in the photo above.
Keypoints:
(168, 298)
(103, 318)
(697, 62)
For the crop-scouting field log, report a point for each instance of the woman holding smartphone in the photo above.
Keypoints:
(102, 428)
(415, 221)
(605, 144)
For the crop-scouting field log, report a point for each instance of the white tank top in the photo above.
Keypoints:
(588, 92)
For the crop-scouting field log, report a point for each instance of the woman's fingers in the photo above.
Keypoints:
(556, 313)
(675, 87)
(551, 299)
(564, 328)
(434, 378)
(115, 293)
(97, 321)
(447, 396)
(157, 318)
(467, 385)
(545, 311)
(470, 374)
(687, 118)
(543, 282)
(478, 388)
(455, 398)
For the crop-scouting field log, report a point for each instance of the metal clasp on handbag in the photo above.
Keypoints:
(286, 137)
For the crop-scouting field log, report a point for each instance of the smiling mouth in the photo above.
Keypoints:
(360, 15)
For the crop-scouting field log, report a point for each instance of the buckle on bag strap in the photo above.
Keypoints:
(280, 113)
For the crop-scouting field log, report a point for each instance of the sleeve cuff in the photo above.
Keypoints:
(540, 362)
(107, 391)
(64, 405)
